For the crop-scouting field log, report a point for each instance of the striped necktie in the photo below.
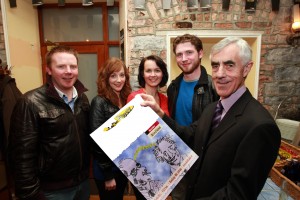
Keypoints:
(217, 116)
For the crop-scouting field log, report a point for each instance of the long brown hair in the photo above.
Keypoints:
(110, 66)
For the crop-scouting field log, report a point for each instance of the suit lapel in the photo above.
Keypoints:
(204, 127)
(207, 125)
(230, 119)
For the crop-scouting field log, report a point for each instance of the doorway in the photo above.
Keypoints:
(92, 31)
(209, 38)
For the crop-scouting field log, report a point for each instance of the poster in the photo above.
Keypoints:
(145, 149)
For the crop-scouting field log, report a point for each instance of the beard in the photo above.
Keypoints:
(190, 70)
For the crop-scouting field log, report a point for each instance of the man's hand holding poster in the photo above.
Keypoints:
(145, 149)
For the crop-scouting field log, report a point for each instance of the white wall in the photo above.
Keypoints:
(22, 43)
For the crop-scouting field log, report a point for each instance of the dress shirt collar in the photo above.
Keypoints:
(228, 102)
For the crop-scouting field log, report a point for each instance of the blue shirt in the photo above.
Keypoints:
(183, 114)
(65, 97)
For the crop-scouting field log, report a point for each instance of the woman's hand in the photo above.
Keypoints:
(110, 184)
(150, 101)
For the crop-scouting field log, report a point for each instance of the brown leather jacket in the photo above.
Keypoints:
(48, 143)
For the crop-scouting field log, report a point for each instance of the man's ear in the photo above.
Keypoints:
(48, 70)
(247, 69)
(200, 53)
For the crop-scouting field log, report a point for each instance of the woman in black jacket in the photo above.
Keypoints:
(113, 90)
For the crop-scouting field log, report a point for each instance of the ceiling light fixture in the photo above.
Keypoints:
(13, 3)
(166, 4)
(110, 2)
(37, 2)
(192, 4)
(61, 3)
(87, 2)
(206, 4)
(139, 4)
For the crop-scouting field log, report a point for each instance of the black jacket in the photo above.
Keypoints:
(9, 93)
(204, 94)
(48, 143)
(101, 110)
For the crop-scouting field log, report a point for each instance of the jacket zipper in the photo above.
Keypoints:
(77, 134)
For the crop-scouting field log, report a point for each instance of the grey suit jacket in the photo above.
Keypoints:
(235, 160)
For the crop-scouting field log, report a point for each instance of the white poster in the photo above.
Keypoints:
(145, 149)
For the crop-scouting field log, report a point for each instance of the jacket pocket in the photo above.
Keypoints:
(54, 123)
(51, 114)
(45, 163)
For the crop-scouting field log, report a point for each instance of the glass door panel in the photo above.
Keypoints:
(114, 51)
(113, 23)
(88, 70)
(91, 58)
(73, 24)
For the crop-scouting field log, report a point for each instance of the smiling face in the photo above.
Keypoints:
(117, 80)
(228, 71)
(64, 71)
(169, 152)
(152, 74)
(187, 57)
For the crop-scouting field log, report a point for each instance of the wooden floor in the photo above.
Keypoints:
(126, 197)
(129, 194)
(4, 195)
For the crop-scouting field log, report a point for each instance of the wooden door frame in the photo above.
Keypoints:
(99, 47)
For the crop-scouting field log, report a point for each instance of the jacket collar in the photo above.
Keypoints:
(51, 91)
(230, 118)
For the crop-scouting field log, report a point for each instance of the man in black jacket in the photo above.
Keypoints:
(191, 91)
(237, 151)
(48, 141)
(9, 93)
